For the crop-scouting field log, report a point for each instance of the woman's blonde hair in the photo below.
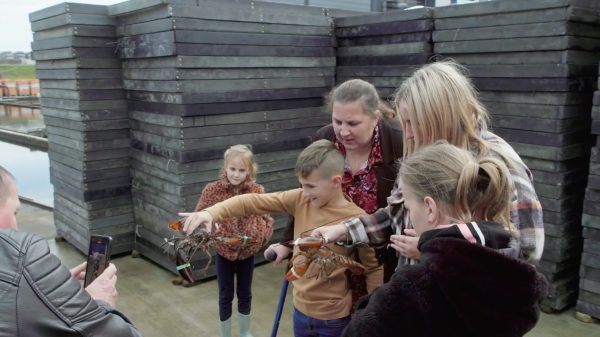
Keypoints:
(358, 90)
(442, 104)
(245, 154)
(475, 189)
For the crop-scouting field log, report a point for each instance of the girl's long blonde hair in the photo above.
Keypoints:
(474, 189)
(245, 154)
(442, 104)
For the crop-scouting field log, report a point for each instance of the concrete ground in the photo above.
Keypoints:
(160, 309)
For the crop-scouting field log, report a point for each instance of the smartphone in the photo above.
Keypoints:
(98, 257)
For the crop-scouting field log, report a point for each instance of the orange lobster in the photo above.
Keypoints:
(186, 246)
(314, 250)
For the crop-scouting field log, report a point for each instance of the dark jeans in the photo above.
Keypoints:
(226, 270)
(305, 326)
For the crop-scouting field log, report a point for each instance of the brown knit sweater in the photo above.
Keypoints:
(257, 227)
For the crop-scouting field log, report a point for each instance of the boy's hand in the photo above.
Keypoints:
(331, 233)
(280, 250)
(194, 220)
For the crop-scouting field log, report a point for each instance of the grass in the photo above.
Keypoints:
(17, 71)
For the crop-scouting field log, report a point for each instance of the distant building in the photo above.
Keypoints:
(10, 57)
(7, 56)
(19, 55)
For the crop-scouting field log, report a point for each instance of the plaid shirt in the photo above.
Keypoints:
(526, 210)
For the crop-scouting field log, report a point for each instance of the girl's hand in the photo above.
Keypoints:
(194, 220)
(406, 244)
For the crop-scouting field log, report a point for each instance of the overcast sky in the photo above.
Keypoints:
(14, 20)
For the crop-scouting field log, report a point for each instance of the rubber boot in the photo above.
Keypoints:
(226, 328)
(244, 322)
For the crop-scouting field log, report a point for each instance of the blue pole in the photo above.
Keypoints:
(282, 295)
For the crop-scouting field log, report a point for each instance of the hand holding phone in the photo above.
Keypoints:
(104, 288)
(78, 272)
(98, 257)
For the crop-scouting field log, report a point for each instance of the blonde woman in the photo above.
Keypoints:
(465, 285)
(438, 102)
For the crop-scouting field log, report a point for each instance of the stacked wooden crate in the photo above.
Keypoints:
(383, 48)
(589, 272)
(86, 118)
(199, 79)
(534, 63)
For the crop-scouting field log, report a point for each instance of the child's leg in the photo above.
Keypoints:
(245, 269)
(225, 272)
(305, 326)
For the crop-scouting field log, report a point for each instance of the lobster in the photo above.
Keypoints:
(186, 246)
(314, 252)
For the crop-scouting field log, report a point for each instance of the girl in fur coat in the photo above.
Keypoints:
(237, 177)
(468, 281)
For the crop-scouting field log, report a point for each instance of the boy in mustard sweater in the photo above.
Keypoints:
(321, 305)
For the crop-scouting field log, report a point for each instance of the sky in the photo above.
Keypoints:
(14, 20)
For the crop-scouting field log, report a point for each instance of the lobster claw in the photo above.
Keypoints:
(298, 269)
(309, 242)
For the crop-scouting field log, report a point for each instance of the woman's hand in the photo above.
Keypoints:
(331, 233)
(195, 219)
(104, 287)
(406, 244)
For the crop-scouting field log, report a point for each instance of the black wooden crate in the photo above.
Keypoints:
(198, 80)
(87, 123)
(533, 64)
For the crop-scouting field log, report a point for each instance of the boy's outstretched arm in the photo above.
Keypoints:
(196, 219)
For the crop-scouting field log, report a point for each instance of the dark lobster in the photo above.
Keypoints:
(314, 251)
(186, 246)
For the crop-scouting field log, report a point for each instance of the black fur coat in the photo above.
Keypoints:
(458, 289)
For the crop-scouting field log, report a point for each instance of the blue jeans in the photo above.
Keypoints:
(226, 271)
(305, 326)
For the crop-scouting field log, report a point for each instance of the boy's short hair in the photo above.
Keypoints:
(323, 156)
(6, 181)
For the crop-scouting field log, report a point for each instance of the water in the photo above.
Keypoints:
(20, 119)
(31, 168)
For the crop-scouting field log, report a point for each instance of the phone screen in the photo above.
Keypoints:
(98, 257)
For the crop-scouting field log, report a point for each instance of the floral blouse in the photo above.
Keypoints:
(362, 186)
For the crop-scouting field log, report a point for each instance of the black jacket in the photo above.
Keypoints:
(39, 297)
(458, 289)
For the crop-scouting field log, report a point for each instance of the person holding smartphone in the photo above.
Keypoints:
(39, 296)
